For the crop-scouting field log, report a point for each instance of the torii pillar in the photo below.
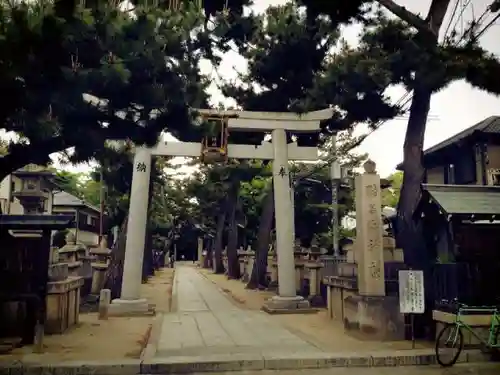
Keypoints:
(278, 151)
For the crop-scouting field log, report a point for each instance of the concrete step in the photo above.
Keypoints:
(460, 369)
(275, 360)
(281, 360)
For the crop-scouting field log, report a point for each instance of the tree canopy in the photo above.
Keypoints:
(77, 75)
(404, 48)
(293, 66)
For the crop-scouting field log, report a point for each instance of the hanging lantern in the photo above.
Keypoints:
(214, 145)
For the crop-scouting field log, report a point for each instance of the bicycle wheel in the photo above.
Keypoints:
(453, 339)
(495, 350)
(496, 336)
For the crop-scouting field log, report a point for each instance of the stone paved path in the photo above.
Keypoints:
(206, 322)
(207, 332)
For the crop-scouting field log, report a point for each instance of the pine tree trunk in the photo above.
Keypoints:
(409, 229)
(259, 271)
(218, 265)
(413, 176)
(233, 265)
(114, 273)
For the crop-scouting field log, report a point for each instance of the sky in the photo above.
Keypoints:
(453, 109)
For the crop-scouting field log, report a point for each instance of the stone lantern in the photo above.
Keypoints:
(32, 188)
(315, 250)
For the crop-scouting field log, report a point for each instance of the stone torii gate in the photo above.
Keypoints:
(278, 151)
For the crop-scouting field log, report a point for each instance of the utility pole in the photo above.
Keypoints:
(101, 206)
(335, 176)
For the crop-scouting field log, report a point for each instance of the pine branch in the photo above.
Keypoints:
(436, 14)
(22, 154)
(407, 16)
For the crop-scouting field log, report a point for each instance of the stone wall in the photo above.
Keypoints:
(307, 271)
(78, 259)
(75, 272)
(369, 317)
(101, 258)
(68, 270)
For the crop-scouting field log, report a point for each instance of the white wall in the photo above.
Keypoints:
(349, 221)
(87, 238)
(5, 191)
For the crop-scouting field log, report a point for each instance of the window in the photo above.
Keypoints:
(449, 174)
(91, 220)
(465, 168)
(82, 219)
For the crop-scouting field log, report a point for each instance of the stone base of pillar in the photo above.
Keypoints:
(374, 318)
(273, 285)
(123, 307)
(288, 305)
(316, 301)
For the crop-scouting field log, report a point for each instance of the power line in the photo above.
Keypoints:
(490, 8)
(455, 7)
(460, 16)
(408, 96)
(488, 26)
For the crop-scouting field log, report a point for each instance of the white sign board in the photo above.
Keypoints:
(411, 292)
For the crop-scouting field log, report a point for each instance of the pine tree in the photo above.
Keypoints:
(290, 68)
(76, 76)
(407, 51)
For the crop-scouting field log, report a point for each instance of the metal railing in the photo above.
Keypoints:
(391, 270)
(330, 263)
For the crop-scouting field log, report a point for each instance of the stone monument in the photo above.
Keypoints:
(369, 232)
(370, 312)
